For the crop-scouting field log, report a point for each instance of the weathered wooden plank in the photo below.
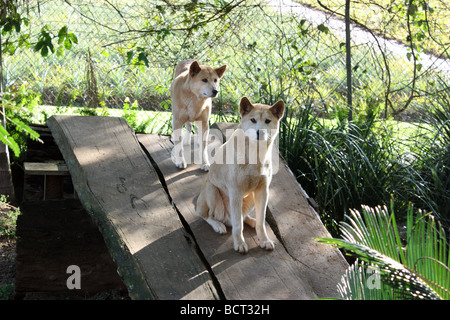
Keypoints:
(260, 274)
(118, 186)
(46, 168)
(298, 224)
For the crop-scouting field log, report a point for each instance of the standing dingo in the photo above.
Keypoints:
(191, 92)
(239, 177)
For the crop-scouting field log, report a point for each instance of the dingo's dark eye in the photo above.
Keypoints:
(253, 120)
(205, 80)
(215, 80)
(267, 120)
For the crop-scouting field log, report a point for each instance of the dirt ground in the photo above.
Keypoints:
(7, 258)
(7, 265)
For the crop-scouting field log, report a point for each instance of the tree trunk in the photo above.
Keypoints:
(6, 184)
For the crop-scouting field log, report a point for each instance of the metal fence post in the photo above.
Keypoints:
(348, 60)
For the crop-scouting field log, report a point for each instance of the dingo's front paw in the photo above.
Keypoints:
(179, 163)
(205, 166)
(241, 247)
(267, 244)
(178, 160)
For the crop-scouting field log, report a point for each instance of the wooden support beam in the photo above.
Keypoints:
(52, 173)
(46, 168)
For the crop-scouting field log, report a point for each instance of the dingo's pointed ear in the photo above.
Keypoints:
(245, 106)
(278, 109)
(220, 70)
(194, 68)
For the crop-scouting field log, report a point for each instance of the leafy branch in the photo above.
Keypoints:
(185, 18)
(11, 22)
(6, 137)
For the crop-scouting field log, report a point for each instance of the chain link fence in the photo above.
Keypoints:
(274, 50)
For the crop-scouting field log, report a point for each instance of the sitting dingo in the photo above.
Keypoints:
(239, 177)
(191, 92)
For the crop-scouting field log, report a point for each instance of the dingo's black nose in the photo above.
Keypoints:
(215, 92)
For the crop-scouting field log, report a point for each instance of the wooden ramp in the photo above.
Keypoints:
(118, 186)
(145, 208)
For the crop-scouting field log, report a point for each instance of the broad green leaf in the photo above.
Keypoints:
(9, 141)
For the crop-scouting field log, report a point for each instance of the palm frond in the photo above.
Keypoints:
(375, 228)
(363, 281)
(419, 270)
(398, 281)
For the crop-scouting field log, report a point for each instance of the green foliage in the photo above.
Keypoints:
(269, 56)
(9, 141)
(11, 20)
(156, 122)
(18, 105)
(129, 112)
(343, 165)
(432, 153)
(67, 39)
(8, 218)
(6, 291)
(416, 267)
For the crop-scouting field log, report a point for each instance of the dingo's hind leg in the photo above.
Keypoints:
(177, 155)
(250, 221)
(209, 201)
